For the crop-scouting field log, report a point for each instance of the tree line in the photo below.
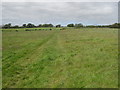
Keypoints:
(79, 25)
(115, 25)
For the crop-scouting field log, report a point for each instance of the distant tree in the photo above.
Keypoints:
(79, 25)
(7, 25)
(115, 25)
(24, 25)
(16, 26)
(50, 25)
(44, 25)
(47, 25)
(58, 25)
(40, 25)
(70, 25)
(29, 25)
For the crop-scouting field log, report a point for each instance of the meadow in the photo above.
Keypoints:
(70, 58)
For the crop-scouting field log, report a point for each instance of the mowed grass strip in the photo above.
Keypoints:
(76, 58)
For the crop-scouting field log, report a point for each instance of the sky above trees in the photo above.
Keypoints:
(60, 12)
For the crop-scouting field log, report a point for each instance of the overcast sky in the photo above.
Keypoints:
(63, 13)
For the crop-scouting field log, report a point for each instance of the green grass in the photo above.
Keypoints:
(75, 58)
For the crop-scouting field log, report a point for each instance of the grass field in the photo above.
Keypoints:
(75, 58)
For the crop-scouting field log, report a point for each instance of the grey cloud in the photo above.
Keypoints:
(60, 12)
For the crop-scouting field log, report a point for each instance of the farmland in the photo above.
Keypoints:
(70, 58)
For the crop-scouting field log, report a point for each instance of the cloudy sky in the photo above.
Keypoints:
(63, 13)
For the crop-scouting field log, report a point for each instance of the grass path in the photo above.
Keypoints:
(24, 57)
